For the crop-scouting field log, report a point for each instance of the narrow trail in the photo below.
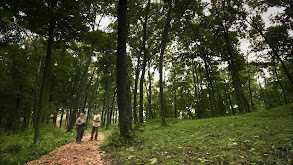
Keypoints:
(86, 152)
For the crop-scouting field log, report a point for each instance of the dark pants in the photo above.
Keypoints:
(94, 129)
(79, 134)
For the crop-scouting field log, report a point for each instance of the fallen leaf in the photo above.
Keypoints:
(246, 141)
(234, 143)
(153, 160)
(130, 157)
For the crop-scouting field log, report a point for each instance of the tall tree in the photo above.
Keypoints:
(80, 88)
(45, 80)
(122, 73)
(144, 62)
(162, 50)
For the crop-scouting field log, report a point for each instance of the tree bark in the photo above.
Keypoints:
(122, 73)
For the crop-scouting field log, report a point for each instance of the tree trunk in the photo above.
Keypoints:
(140, 114)
(200, 109)
(103, 111)
(263, 95)
(135, 91)
(44, 82)
(63, 107)
(175, 100)
(84, 77)
(163, 46)
(242, 103)
(122, 73)
(143, 63)
(280, 84)
(147, 93)
(84, 97)
(243, 107)
(266, 92)
(35, 100)
(61, 118)
(46, 103)
(80, 88)
(109, 119)
(91, 101)
(106, 114)
(249, 87)
(212, 97)
(229, 98)
(150, 93)
(222, 108)
(26, 117)
(196, 93)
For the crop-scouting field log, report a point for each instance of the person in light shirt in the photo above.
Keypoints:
(79, 127)
(96, 124)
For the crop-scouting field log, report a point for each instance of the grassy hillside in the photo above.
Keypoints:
(255, 138)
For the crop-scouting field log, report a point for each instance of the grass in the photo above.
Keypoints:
(256, 138)
(19, 148)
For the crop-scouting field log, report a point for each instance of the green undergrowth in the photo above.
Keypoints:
(20, 148)
(255, 138)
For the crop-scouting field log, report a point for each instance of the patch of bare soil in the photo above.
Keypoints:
(86, 152)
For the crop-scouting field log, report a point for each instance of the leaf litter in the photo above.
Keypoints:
(86, 152)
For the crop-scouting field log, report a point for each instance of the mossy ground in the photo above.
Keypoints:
(255, 138)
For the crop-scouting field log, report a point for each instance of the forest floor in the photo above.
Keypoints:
(263, 137)
(86, 152)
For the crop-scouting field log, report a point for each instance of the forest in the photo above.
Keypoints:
(155, 60)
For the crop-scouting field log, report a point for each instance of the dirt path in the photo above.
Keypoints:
(86, 152)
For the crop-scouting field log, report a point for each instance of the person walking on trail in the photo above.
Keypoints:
(80, 127)
(96, 124)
